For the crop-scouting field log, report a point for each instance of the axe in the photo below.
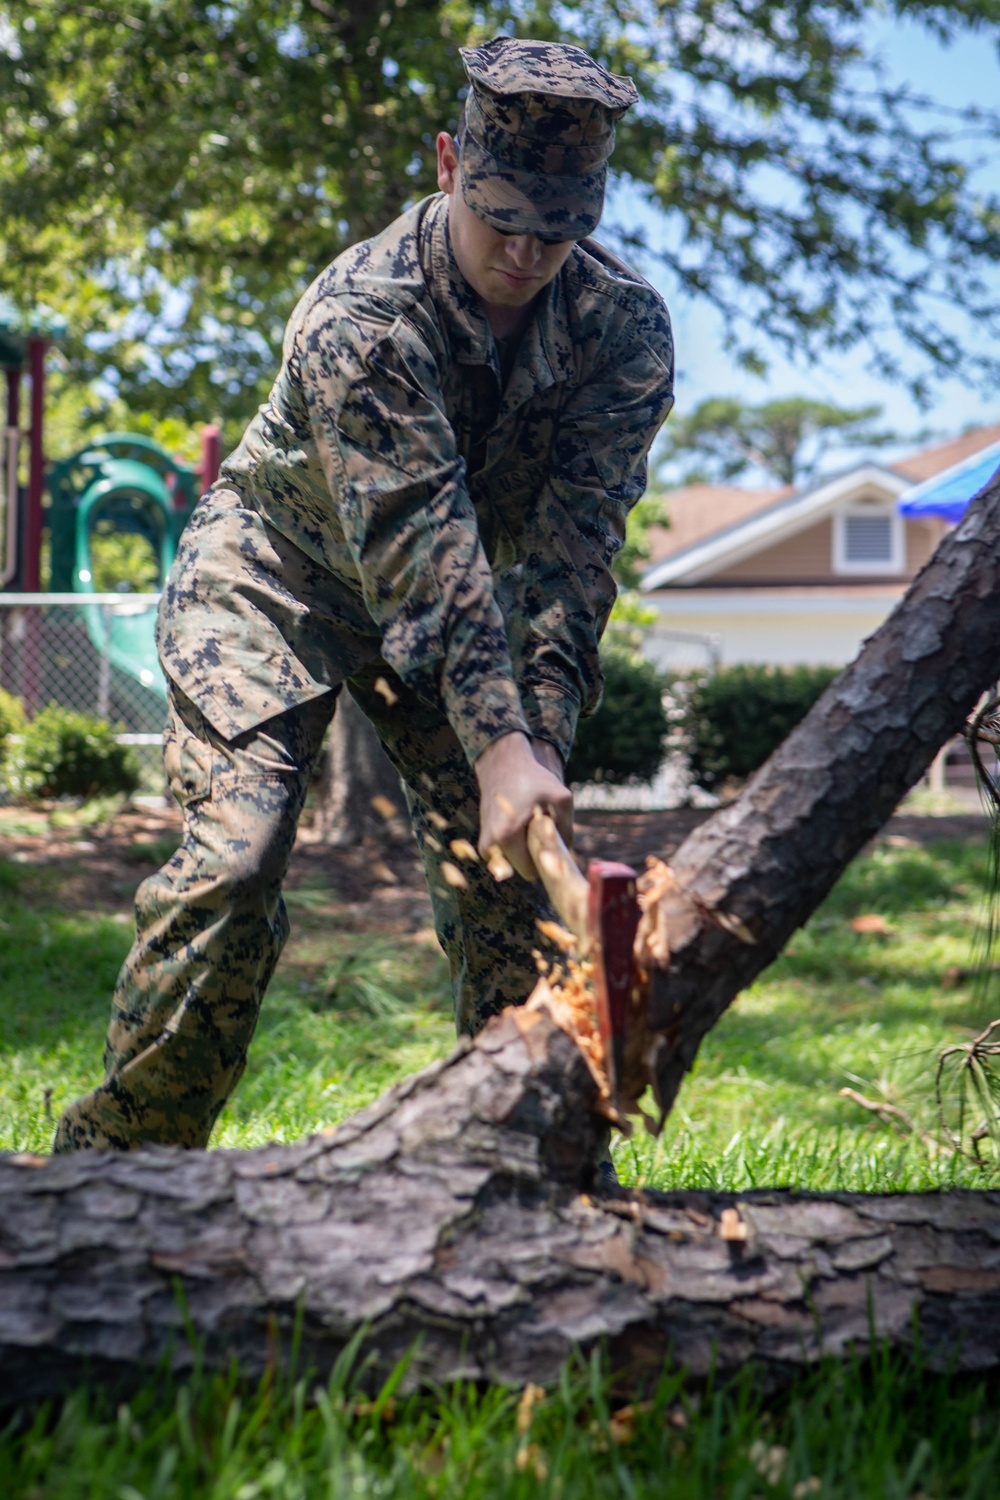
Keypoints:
(601, 910)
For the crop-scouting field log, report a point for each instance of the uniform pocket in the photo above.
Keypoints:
(187, 758)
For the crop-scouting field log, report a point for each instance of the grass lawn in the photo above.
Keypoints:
(352, 1010)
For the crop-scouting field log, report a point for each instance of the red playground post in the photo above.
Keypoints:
(31, 576)
(210, 457)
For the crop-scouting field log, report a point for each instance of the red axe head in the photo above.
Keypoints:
(612, 919)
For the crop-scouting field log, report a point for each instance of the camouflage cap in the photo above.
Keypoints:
(539, 128)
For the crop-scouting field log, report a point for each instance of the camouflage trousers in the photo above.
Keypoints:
(211, 924)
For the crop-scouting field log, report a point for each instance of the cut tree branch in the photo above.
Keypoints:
(764, 863)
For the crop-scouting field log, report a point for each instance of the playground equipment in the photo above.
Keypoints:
(126, 485)
(119, 485)
(23, 342)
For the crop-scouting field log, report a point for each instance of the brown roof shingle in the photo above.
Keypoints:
(701, 510)
(930, 461)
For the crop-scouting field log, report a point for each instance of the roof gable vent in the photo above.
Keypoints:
(868, 539)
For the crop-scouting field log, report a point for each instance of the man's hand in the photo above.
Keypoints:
(515, 776)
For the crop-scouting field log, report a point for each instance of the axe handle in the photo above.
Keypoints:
(561, 876)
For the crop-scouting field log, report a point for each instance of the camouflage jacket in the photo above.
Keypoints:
(394, 495)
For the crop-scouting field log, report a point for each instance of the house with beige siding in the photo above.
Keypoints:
(791, 576)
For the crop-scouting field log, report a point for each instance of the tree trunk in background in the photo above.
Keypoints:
(451, 1213)
(356, 771)
(355, 767)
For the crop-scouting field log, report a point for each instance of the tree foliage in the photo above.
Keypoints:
(122, 560)
(785, 438)
(649, 511)
(171, 176)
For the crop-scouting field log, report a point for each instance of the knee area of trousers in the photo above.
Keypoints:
(253, 863)
(245, 862)
(249, 836)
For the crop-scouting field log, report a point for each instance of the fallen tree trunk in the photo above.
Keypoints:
(460, 1211)
(764, 863)
(450, 1215)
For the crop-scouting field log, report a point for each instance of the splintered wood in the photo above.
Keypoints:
(567, 993)
(566, 989)
(652, 942)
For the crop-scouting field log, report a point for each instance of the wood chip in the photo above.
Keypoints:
(462, 849)
(383, 874)
(621, 1424)
(531, 1396)
(433, 843)
(562, 938)
(734, 925)
(385, 808)
(386, 692)
(869, 922)
(438, 822)
(498, 864)
(731, 1226)
(452, 875)
(655, 883)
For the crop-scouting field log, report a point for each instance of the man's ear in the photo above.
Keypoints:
(447, 162)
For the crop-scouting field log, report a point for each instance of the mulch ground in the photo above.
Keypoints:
(99, 869)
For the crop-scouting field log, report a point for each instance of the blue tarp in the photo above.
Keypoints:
(948, 494)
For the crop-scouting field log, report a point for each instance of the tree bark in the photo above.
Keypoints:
(356, 779)
(452, 1220)
(753, 873)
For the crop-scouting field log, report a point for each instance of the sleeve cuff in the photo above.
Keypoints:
(552, 715)
(491, 710)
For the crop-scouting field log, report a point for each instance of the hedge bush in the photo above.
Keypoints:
(732, 721)
(12, 719)
(623, 740)
(66, 754)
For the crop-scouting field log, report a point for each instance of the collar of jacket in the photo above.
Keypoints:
(545, 356)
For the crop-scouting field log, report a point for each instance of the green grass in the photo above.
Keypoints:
(888, 1431)
(345, 1017)
(838, 1009)
(349, 1013)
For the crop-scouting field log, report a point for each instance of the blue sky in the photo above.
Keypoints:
(967, 72)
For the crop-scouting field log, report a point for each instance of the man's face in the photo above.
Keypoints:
(504, 270)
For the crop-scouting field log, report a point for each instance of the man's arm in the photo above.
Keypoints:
(398, 487)
(578, 527)
(390, 459)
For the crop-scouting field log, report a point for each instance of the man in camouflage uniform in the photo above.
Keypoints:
(425, 510)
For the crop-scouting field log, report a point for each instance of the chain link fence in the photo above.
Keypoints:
(94, 653)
